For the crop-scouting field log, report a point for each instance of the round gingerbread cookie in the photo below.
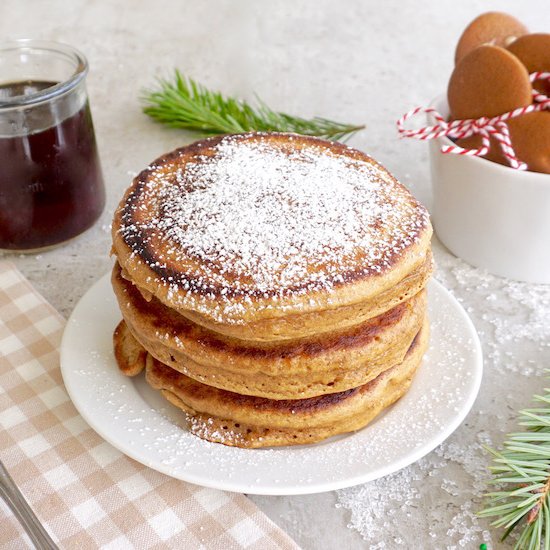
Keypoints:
(494, 28)
(530, 136)
(489, 81)
(533, 50)
(475, 142)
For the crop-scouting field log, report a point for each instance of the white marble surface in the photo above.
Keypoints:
(357, 61)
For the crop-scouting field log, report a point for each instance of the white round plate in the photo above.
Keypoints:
(139, 422)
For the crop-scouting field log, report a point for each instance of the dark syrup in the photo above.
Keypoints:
(51, 185)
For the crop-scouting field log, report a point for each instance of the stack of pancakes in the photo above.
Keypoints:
(272, 286)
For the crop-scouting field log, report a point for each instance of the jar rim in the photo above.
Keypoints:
(56, 90)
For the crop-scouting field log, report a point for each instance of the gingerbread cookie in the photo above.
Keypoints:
(530, 135)
(474, 142)
(533, 50)
(487, 82)
(494, 28)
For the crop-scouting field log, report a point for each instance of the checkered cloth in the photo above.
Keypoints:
(86, 493)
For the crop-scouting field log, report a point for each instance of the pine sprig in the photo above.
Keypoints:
(184, 103)
(521, 471)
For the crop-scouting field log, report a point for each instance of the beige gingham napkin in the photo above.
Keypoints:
(86, 493)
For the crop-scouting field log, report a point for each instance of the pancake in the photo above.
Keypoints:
(327, 363)
(258, 230)
(307, 324)
(130, 355)
(272, 286)
(245, 421)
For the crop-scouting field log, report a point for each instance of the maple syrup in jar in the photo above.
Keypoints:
(51, 184)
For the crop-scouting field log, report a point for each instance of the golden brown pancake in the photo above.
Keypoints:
(327, 363)
(257, 228)
(245, 421)
(273, 284)
(272, 331)
(129, 353)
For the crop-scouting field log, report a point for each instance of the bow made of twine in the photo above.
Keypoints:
(485, 127)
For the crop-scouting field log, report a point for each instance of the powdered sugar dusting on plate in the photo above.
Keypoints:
(260, 219)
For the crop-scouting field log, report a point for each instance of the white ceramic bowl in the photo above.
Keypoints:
(491, 215)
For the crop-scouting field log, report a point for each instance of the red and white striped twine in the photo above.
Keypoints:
(484, 127)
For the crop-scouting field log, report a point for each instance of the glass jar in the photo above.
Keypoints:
(51, 185)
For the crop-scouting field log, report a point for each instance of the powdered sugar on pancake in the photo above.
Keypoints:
(260, 218)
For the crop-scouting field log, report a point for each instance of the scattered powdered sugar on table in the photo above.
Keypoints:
(257, 217)
(513, 322)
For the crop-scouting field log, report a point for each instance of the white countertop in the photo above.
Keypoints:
(358, 61)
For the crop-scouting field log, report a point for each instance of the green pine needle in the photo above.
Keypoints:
(522, 473)
(183, 103)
